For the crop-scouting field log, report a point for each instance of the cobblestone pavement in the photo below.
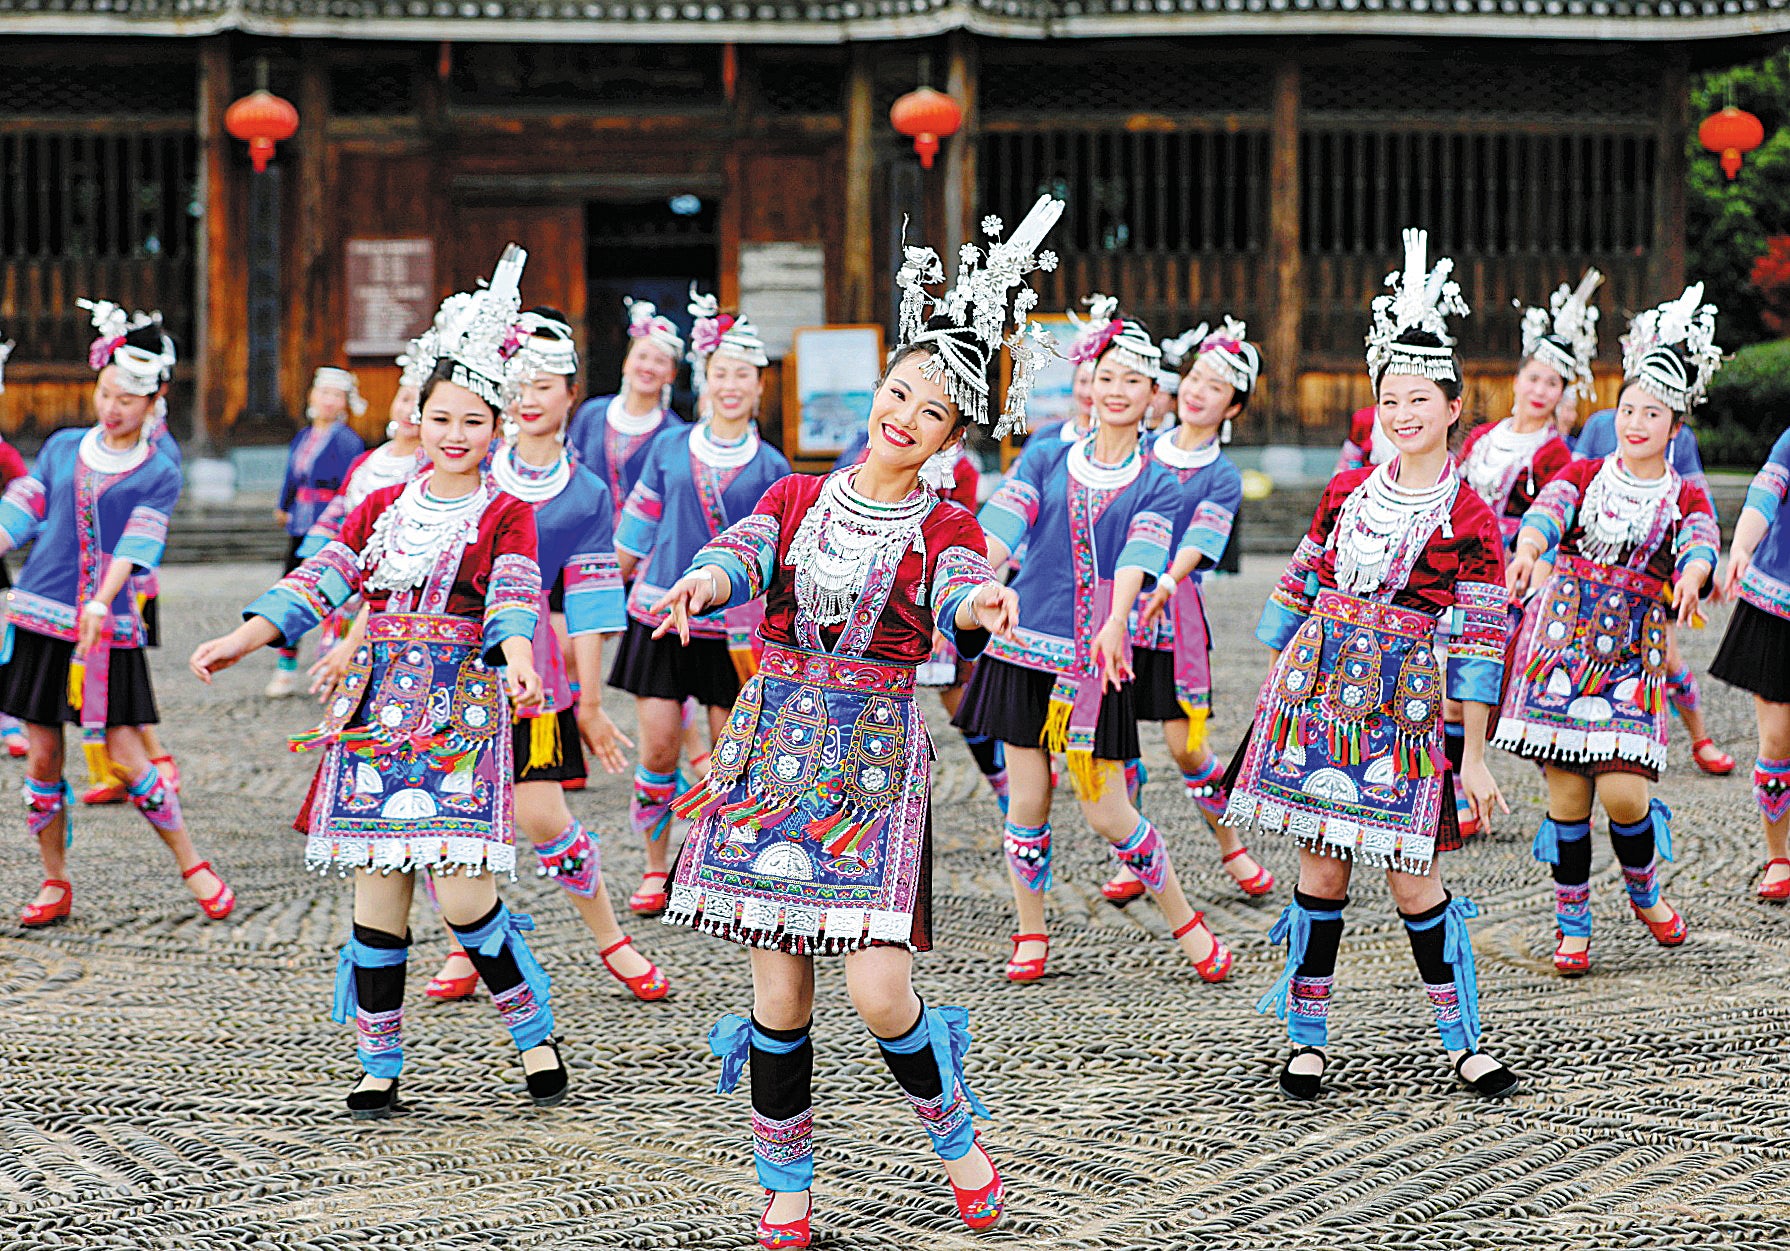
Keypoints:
(167, 1082)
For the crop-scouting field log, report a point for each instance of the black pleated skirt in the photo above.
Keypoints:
(34, 683)
(665, 668)
(1010, 703)
(1153, 687)
(568, 761)
(1755, 653)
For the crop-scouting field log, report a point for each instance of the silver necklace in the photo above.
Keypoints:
(102, 459)
(530, 483)
(1383, 527)
(1174, 456)
(1620, 511)
(1101, 477)
(416, 531)
(1496, 460)
(722, 455)
(843, 537)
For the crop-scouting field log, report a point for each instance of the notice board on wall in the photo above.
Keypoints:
(391, 294)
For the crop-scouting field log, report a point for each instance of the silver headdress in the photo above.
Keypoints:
(548, 347)
(1229, 351)
(1176, 351)
(1105, 329)
(646, 322)
(1671, 351)
(718, 333)
(140, 371)
(1420, 301)
(344, 381)
(477, 332)
(6, 347)
(976, 311)
(1563, 336)
(417, 361)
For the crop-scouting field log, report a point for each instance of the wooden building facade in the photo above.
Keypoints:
(1256, 157)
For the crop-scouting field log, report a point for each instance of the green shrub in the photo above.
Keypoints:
(1749, 405)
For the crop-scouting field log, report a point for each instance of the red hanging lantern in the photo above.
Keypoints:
(1732, 132)
(926, 116)
(262, 119)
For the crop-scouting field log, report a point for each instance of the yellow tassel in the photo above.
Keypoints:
(142, 603)
(1088, 775)
(1056, 726)
(77, 678)
(543, 741)
(100, 769)
(1196, 726)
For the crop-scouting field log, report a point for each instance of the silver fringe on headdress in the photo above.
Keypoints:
(1563, 336)
(1658, 341)
(978, 308)
(1421, 299)
(1229, 351)
(1105, 329)
(342, 380)
(477, 332)
(140, 372)
(548, 347)
(645, 321)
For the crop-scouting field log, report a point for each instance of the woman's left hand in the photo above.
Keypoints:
(996, 609)
(93, 627)
(1109, 654)
(601, 738)
(524, 684)
(1482, 793)
(1153, 605)
(1687, 595)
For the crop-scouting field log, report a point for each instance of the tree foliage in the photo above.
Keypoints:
(1731, 224)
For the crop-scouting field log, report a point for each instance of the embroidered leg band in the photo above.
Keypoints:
(1206, 787)
(1311, 928)
(1444, 954)
(927, 1063)
(572, 860)
(1135, 778)
(518, 984)
(156, 800)
(1682, 690)
(1566, 845)
(370, 989)
(650, 809)
(1771, 788)
(288, 661)
(1635, 846)
(782, 1096)
(1144, 854)
(43, 801)
(1028, 854)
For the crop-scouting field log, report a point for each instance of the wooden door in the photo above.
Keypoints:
(553, 234)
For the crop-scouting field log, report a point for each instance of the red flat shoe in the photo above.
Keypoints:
(36, 916)
(1570, 963)
(645, 903)
(1027, 970)
(104, 793)
(794, 1233)
(1217, 964)
(452, 989)
(16, 745)
(223, 902)
(1776, 892)
(170, 771)
(1257, 886)
(983, 1207)
(1667, 933)
(649, 987)
(1120, 892)
(1711, 759)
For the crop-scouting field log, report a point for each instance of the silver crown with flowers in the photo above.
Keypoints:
(1421, 299)
(1563, 336)
(140, 372)
(645, 321)
(977, 309)
(1659, 340)
(548, 347)
(1105, 329)
(1229, 351)
(478, 332)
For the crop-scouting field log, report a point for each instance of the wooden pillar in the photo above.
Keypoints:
(310, 337)
(961, 78)
(1666, 264)
(222, 282)
(1286, 288)
(859, 287)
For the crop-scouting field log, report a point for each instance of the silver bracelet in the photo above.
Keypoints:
(97, 607)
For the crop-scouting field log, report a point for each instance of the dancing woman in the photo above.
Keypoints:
(1755, 652)
(417, 770)
(611, 434)
(1097, 516)
(813, 830)
(697, 481)
(1629, 546)
(1171, 644)
(1346, 751)
(95, 509)
(577, 553)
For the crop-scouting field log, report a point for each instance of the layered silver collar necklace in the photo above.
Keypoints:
(843, 536)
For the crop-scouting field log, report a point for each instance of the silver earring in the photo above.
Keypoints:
(1224, 431)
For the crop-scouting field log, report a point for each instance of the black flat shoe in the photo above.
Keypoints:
(1302, 1086)
(1500, 1083)
(373, 1104)
(548, 1086)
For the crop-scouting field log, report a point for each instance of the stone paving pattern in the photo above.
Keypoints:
(169, 1082)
